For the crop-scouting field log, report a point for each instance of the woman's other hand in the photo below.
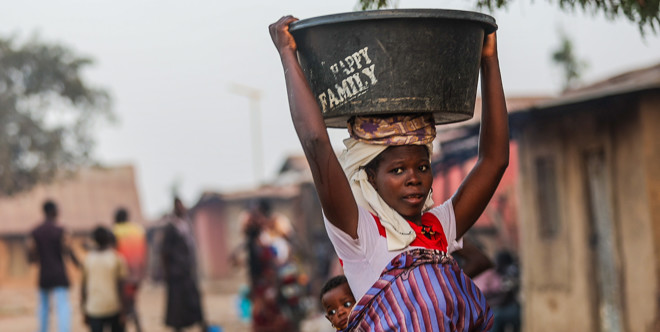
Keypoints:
(489, 49)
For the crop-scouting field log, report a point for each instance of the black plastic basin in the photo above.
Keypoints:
(393, 61)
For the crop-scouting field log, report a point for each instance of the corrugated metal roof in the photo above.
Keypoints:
(265, 191)
(452, 131)
(629, 82)
(638, 80)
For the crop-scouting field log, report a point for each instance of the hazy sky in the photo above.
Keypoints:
(169, 66)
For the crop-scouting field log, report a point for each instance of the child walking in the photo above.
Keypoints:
(394, 243)
(104, 271)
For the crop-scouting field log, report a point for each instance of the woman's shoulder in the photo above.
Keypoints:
(363, 214)
(445, 206)
(367, 230)
(443, 212)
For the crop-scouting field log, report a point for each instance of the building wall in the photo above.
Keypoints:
(561, 259)
(647, 318)
(218, 229)
(552, 269)
(85, 199)
(218, 233)
(497, 227)
(213, 254)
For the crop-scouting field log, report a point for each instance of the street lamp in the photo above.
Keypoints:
(254, 96)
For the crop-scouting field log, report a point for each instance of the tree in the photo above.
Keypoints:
(646, 13)
(46, 113)
(566, 58)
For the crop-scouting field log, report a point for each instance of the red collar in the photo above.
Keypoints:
(430, 234)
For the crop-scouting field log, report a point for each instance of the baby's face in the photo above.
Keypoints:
(337, 304)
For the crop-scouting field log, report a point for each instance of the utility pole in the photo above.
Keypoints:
(254, 96)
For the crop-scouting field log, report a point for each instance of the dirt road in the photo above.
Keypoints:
(18, 303)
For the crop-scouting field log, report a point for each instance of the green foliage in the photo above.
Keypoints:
(566, 58)
(646, 13)
(374, 4)
(46, 113)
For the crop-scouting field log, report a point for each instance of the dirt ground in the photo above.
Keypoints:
(18, 313)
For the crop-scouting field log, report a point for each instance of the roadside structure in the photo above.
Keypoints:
(590, 206)
(86, 199)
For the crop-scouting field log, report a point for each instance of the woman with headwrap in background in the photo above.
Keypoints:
(178, 250)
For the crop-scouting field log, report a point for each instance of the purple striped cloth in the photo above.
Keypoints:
(422, 290)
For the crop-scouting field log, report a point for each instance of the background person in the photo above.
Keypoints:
(48, 245)
(268, 255)
(178, 251)
(501, 287)
(104, 271)
(131, 244)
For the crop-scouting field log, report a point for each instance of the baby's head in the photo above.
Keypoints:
(337, 301)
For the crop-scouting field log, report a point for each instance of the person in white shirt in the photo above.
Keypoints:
(104, 271)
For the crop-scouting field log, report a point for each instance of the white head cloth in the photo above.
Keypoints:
(353, 159)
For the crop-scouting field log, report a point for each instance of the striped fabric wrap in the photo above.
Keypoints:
(422, 290)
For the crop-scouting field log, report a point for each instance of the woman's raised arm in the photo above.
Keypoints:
(331, 184)
(475, 192)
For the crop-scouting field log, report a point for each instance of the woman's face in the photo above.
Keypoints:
(403, 179)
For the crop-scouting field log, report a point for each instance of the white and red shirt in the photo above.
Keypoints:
(365, 258)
